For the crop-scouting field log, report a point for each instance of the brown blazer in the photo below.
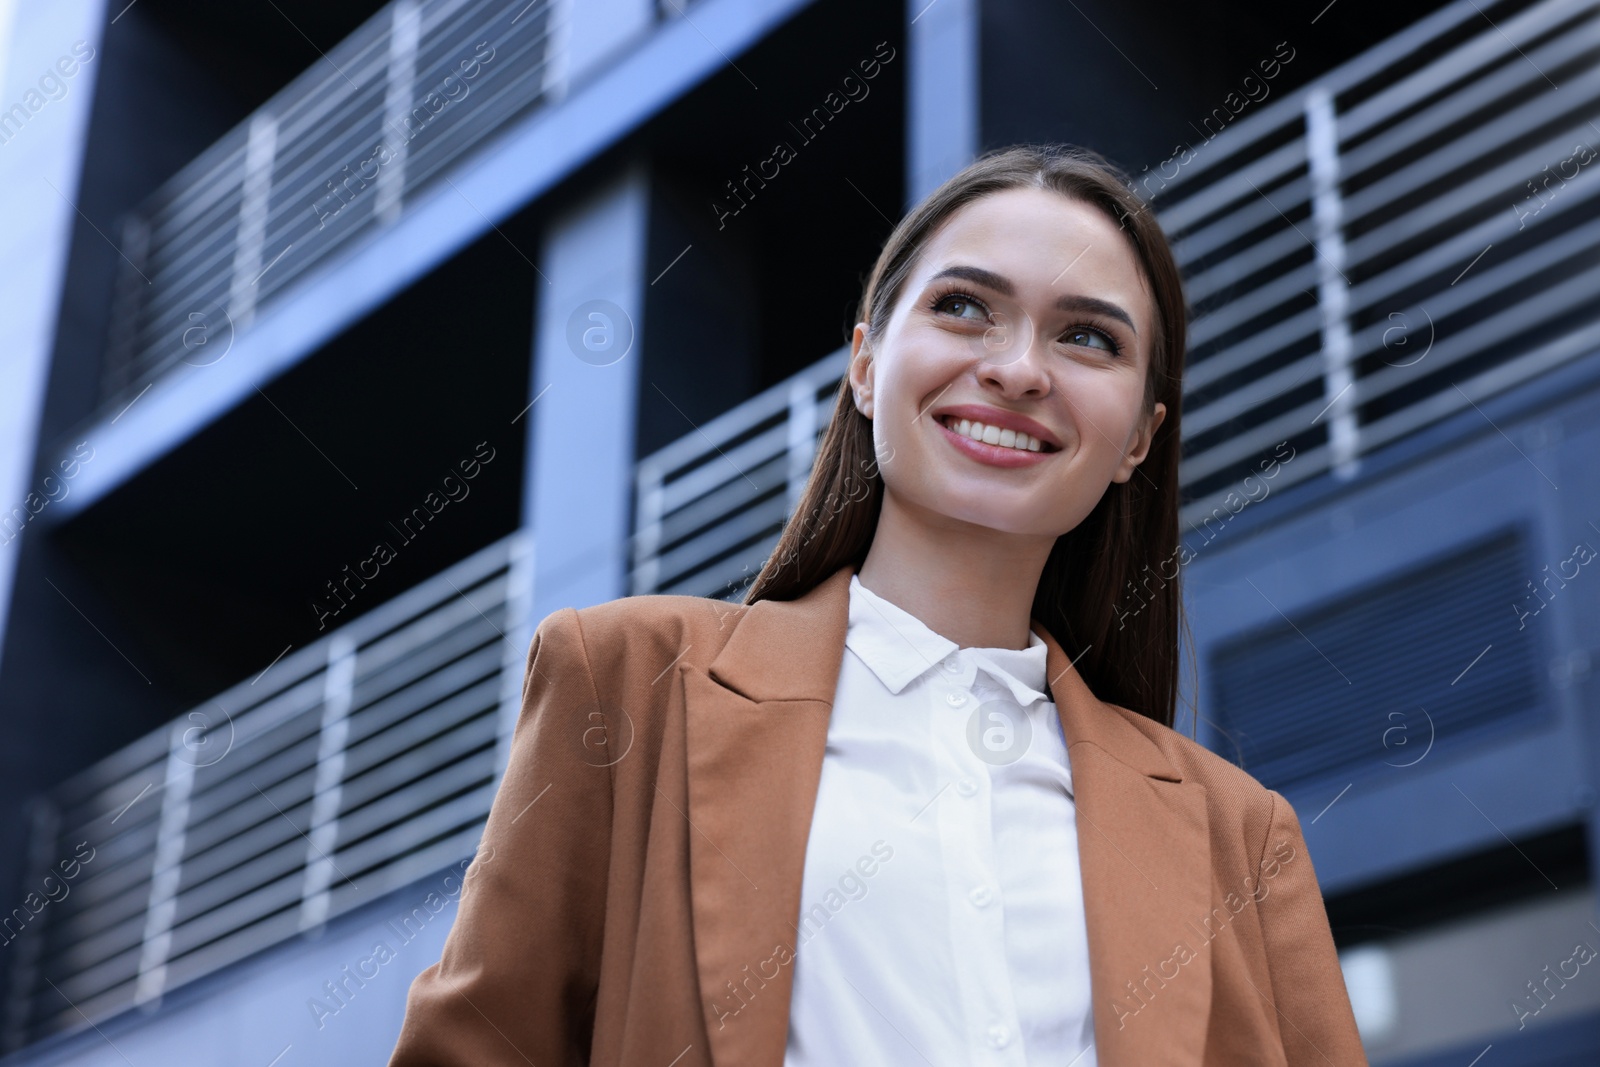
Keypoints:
(635, 897)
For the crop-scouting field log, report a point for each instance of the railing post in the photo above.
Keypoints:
(166, 870)
(404, 27)
(556, 75)
(254, 202)
(519, 635)
(1333, 288)
(328, 792)
(802, 437)
(649, 504)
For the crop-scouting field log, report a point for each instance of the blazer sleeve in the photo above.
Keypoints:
(1307, 991)
(517, 978)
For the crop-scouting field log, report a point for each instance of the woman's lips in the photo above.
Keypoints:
(993, 455)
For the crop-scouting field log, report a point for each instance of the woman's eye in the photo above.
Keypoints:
(960, 307)
(1086, 338)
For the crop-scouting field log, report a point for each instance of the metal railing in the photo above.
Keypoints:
(1381, 249)
(334, 155)
(708, 507)
(1364, 256)
(350, 768)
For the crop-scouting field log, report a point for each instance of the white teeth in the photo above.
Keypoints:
(993, 435)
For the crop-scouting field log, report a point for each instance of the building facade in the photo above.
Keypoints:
(436, 316)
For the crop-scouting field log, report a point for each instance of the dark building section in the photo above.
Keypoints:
(306, 480)
(700, 352)
(379, 462)
(175, 77)
(247, 52)
(168, 83)
(1138, 82)
(778, 199)
(1444, 892)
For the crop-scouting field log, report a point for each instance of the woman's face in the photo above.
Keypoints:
(1026, 311)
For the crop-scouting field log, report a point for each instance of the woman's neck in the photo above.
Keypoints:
(971, 584)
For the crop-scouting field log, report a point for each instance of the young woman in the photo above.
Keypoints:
(918, 798)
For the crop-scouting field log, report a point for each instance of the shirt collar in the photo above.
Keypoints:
(899, 648)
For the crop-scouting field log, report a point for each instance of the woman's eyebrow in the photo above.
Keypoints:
(1070, 302)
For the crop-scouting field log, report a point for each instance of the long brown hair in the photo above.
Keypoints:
(1128, 656)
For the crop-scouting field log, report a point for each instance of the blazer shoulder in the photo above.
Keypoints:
(1194, 760)
(652, 630)
(1243, 810)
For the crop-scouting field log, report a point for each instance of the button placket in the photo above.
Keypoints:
(977, 921)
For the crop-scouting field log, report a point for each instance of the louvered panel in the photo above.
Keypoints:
(237, 810)
(106, 944)
(242, 911)
(372, 859)
(380, 746)
(713, 502)
(90, 986)
(302, 180)
(474, 768)
(381, 738)
(262, 851)
(1316, 694)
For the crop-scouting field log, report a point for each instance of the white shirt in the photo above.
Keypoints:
(941, 908)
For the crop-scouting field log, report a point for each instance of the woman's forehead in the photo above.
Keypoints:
(1043, 240)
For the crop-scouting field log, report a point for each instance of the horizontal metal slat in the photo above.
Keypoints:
(382, 744)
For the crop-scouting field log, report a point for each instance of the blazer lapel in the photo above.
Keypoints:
(756, 726)
(1144, 849)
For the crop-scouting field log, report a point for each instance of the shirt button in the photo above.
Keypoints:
(966, 787)
(981, 896)
(999, 1036)
(951, 665)
(955, 700)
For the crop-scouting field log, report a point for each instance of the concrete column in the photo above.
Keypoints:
(585, 395)
(588, 33)
(941, 92)
(44, 113)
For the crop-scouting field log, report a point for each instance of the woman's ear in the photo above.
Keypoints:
(1139, 447)
(861, 369)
